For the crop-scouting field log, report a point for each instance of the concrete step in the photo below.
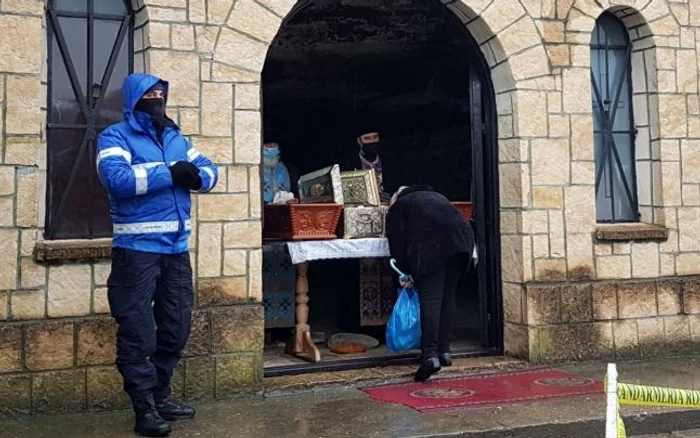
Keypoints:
(372, 376)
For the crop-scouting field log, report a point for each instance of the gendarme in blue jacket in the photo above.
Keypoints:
(149, 213)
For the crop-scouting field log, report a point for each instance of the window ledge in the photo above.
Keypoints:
(631, 232)
(54, 251)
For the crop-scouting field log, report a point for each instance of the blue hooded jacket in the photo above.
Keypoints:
(149, 213)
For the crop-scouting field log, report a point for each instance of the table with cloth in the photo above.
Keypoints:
(304, 252)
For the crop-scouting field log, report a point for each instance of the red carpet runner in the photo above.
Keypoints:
(485, 390)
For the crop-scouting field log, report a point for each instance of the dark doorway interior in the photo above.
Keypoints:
(336, 71)
(403, 68)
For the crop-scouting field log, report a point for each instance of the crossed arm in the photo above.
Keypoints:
(122, 179)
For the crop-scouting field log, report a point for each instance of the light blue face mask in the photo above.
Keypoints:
(271, 156)
(271, 152)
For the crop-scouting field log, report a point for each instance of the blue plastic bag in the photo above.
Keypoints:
(403, 328)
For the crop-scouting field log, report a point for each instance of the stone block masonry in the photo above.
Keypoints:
(564, 321)
(68, 364)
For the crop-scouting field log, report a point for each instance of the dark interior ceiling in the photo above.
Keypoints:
(375, 28)
(362, 36)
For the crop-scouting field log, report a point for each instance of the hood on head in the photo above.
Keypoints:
(369, 137)
(135, 86)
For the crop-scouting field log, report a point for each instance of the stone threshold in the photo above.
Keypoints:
(378, 375)
(56, 251)
(630, 232)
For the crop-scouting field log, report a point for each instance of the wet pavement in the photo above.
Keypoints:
(321, 412)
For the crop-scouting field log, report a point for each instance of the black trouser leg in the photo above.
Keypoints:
(173, 316)
(456, 267)
(431, 290)
(131, 287)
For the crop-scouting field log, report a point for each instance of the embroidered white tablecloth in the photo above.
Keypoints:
(310, 250)
(307, 251)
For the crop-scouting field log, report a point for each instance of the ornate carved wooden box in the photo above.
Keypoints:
(466, 208)
(301, 221)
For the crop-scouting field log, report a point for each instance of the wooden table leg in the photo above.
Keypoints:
(302, 340)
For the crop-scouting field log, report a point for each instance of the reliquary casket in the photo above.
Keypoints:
(361, 222)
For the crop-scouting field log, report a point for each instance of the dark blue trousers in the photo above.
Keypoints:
(150, 297)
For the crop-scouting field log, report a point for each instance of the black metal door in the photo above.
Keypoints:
(90, 53)
(477, 138)
(487, 209)
(490, 215)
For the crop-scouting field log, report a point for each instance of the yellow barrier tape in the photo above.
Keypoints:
(638, 395)
(621, 432)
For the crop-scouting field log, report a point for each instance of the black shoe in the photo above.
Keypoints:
(151, 424)
(173, 412)
(427, 368)
(445, 359)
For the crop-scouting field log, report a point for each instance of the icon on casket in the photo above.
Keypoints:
(321, 186)
(360, 187)
(362, 222)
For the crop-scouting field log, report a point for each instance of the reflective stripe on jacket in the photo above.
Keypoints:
(149, 213)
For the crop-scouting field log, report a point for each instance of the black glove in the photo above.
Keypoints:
(197, 184)
(186, 174)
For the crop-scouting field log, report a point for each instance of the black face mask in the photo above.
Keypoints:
(370, 151)
(154, 108)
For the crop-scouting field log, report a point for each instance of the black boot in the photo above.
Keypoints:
(151, 424)
(173, 412)
(445, 359)
(428, 367)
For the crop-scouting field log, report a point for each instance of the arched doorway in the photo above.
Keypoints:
(411, 71)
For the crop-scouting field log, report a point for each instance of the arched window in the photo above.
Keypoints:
(615, 177)
(90, 52)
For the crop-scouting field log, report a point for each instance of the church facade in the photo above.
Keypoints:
(598, 175)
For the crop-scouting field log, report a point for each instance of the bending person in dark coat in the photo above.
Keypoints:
(432, 242)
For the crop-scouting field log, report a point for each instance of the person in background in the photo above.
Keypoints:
(275, 174)
(376, 286)
(369, 144)
(433, 243)
(149, 170)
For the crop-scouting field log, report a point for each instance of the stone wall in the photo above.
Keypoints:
(549, 232)
(609, 319)
(557, 264)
